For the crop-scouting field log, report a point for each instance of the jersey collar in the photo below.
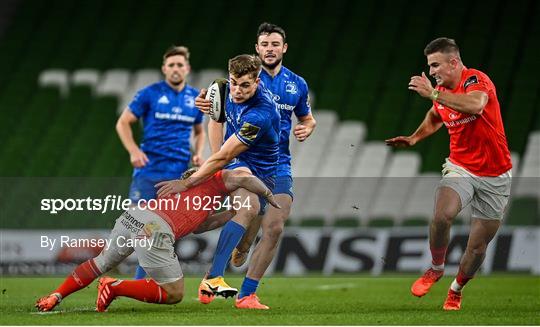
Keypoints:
(281, 72)
(168, 87)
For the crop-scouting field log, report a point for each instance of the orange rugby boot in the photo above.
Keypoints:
(250, 302)
(105, 293)
(453, 301)
(206, 294)
(422, 285)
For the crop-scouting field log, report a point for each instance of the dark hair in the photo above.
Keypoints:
(442, 44)
(175, 51)
(245, 64)
(269, 28)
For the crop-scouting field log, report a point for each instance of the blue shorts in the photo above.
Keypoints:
(269, 182)
(284, 185)
(143, 185)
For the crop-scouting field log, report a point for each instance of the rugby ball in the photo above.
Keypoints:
(216, 95)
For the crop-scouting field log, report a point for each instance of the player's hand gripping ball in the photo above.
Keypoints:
(216, 95)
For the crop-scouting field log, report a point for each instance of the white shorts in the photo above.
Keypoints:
(152, 240)
(488, 195)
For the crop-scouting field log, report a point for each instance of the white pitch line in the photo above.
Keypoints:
(218, 298)
(335, 286)
(45, 312)
(83, 309)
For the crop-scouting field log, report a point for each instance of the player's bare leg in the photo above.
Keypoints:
(272, 224)
(146, 290)
(240, 253)
(230, 236)
(482, 232)
(447, 206)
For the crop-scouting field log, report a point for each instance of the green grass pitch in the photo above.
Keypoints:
(314, 300)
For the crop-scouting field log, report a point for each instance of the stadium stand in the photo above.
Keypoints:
(362, 185)
(325, 190)
(113, 82)
(419, 206)
(394, 188)
(66, 69)
(56, 78)
(85, 77)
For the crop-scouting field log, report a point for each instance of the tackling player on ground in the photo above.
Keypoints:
(162, 227)
(478, 168)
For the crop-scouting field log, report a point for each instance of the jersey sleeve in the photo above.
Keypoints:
(140, 103)
(303, 107)
(477, 82)
(253, 126)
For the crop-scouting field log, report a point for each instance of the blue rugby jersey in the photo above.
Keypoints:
(256, 123)
(290, 92)
(168, 117)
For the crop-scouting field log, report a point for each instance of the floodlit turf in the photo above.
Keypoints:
(493, 300)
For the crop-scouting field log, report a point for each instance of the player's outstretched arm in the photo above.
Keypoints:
(235, 179)
(230, 149)
(429, 125)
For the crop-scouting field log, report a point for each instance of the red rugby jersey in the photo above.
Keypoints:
(183, 218)
(477, 142)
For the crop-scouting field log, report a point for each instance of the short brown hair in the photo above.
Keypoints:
(176, 50)
(442, 44)
(245, 64)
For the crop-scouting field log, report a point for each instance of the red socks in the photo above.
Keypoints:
(438, 256)
(82, 276)
(146, 290)
(462, 279)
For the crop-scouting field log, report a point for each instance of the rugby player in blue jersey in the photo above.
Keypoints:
(251, 143)
(290, 92)
(291, 95)
(167, 110)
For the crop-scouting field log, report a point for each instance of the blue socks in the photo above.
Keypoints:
(228, 239)
(249, 286)
(140, 273)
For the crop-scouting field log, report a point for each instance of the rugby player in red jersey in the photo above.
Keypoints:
(160, 227)
(478, 168)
